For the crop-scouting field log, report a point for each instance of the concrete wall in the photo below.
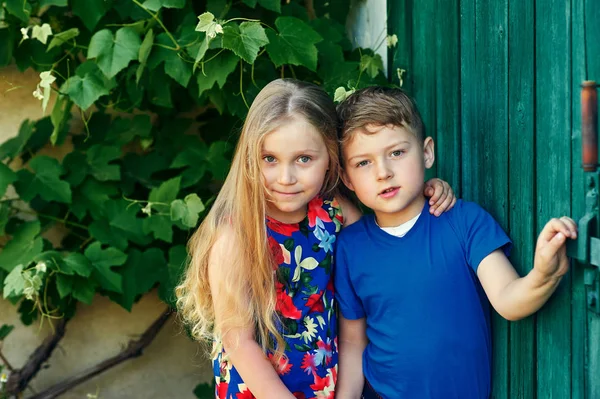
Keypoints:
(171, 366)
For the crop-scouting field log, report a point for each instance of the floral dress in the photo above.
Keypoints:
(306, 306)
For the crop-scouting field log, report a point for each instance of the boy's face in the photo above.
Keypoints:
(385, 167)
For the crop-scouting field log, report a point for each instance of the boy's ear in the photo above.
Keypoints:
(346, 180)
(428, 152)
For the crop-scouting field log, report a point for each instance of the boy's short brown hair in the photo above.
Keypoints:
(380, 106)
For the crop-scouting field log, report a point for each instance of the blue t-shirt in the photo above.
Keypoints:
(428, 320)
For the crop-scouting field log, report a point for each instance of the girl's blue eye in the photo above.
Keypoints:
(304, 159)
(397, 153)
(362, 163)
(269, 159)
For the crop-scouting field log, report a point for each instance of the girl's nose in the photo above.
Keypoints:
(286, 176)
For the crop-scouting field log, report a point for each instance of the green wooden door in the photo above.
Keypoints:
(497, 83)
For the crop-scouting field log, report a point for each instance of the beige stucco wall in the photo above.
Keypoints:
(171, 366)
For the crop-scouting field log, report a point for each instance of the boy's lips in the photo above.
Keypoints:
(389, 192)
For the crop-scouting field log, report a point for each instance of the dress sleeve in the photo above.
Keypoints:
(349, 303)
(481, 234)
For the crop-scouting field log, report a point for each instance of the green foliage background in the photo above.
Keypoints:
(139, 177)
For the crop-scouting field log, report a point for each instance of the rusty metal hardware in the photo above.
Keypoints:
(586, 249)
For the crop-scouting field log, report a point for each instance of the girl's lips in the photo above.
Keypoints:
(389, 193)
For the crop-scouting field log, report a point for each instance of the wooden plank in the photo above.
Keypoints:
(400, 24)
(553, 165)
(491, 113)
(578, 303)
(521, 105)
(423, 72)
(592, 51)
(447, 97)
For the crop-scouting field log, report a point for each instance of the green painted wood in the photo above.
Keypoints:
(400, 12)
(424, 85)
(447, 96)
(521, 164)
(592, 50)
(578, 304)
(491, 116)
(553, 166)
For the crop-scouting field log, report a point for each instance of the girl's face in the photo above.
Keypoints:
(294, 163)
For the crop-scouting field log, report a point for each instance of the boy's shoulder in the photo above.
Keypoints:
(356, 229)
(464, 209)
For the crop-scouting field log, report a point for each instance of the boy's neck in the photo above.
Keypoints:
(414, 208)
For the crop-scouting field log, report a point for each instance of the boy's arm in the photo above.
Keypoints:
(352, 341)
(515, 298)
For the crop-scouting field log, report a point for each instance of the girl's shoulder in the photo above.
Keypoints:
(349, 211)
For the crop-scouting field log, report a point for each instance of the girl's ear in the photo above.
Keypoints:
(428, 152)
(346, 179)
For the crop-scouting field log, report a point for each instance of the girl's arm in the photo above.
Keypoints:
(350, 212)
(243, 351)
(442, 197)
(353, 341)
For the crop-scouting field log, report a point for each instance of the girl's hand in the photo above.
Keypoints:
(442, 197)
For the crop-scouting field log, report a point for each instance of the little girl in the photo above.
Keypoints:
(259, 284)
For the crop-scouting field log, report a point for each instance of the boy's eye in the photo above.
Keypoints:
(269, 158)
(304, 159)
(362, 163)
(397, 153)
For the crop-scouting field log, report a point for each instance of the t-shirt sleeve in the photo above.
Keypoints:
(481, 234)
(349, 303)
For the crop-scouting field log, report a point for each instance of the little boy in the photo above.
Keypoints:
(414, 293)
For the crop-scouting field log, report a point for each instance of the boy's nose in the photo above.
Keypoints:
(383, 171)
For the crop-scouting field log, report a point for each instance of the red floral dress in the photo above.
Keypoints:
(305, 303)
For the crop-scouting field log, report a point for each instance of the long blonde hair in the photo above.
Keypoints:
(249, 281)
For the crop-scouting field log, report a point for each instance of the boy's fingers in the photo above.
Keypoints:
(570, 223)
(555, 226)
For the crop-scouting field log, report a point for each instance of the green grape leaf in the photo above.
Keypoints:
(61, 38)
(371, 64)
(7, 176)
(244, 40)
(103, 260)
(13, 147)
(90, 11)
(92, 197)
(273, 5)
(76, 263)
(294, 44)
(7, 38)
(143, 54)
(123, 220)
(101, 231)
(188, 210)
(83, 289)
(23, 248)
(175, 268)
(165, 193)
(14, 283)
(19, 8)
(113, 53)
(87, 85)
(59, 117)
(4, 216)
(216, 71)
(155, 5)
(140, 273)
(178, 69)
(5, 330)
(219, 164)
(160, 226)
(99, 158)
(64, 285)
(45, 182)
(250, 3)
(58, 3)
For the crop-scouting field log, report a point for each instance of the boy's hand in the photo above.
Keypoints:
(442, 197)
(550, 252)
